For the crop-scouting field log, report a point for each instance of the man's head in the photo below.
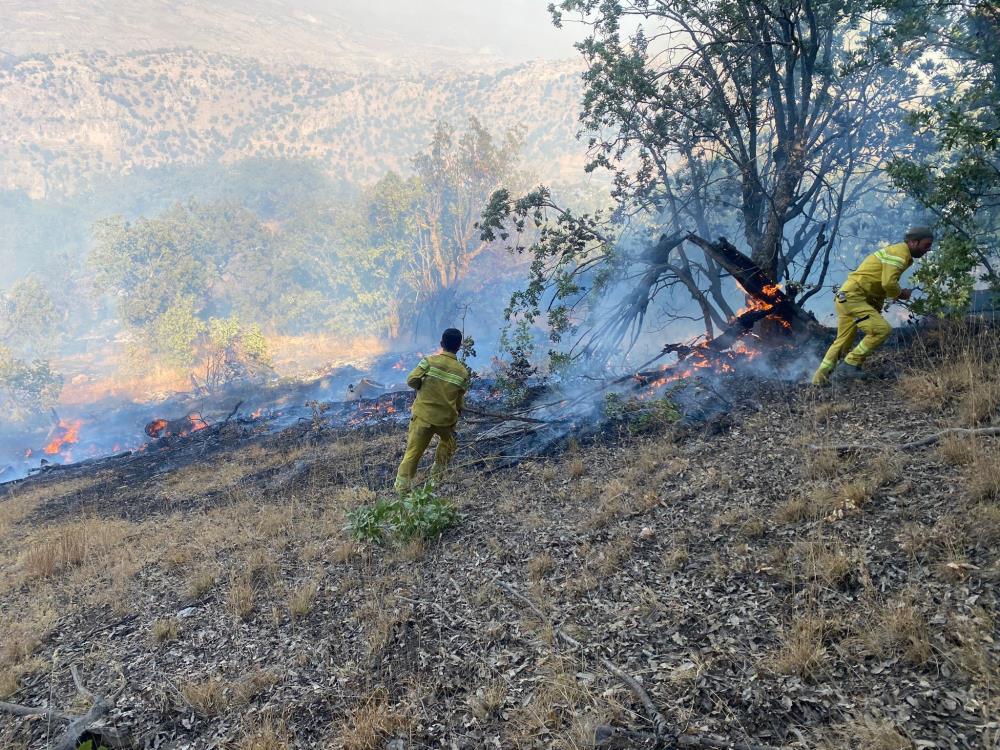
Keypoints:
(919, 240)
(451, 340)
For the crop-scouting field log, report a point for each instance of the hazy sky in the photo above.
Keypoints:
(517, 29)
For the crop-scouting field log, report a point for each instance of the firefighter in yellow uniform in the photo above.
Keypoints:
(441, 382)
(860, 300)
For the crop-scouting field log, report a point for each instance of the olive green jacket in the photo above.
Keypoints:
(440, 381)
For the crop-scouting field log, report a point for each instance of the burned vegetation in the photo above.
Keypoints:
(730, 577)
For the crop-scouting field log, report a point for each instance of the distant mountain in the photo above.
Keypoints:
(69, 118)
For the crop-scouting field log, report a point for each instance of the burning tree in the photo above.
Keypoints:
(753, 119)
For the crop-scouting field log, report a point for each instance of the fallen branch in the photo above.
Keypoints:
(652, 713)
(78, 725)
(923, 442)
(504, 417)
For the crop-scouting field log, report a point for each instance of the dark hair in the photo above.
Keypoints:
(919, 233)
(451, 340)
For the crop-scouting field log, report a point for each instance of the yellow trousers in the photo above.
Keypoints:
(417, 440)
(853, 314)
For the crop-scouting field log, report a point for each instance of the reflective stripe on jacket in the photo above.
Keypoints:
(878, 275)
(441, 382)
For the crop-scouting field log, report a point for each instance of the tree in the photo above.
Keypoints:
(29, 320)
(455, 176)
(755, 117)
(955, 170)
(26, 388)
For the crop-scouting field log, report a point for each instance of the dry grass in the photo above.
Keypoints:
(206, 697)
(794, 510)
(872, 734)
(91, 542)
(675, 558)
(823, 561)
(801, 651)
(268, 734)
(488, 700)
(371, 723)
(165, 629)
(823, 464)
(540, 566)
(201, 582)
(241, 595)
(983, 480)
(300, 600)
(899, 629)
(17, 504)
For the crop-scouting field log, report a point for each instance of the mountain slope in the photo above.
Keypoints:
(762, 591)
(72, 117)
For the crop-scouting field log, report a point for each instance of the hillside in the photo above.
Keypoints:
(764, 586)
(71, 118)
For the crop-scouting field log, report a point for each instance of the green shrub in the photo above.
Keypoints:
(418, 514)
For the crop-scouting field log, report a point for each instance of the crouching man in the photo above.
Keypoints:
(441, 382)
(860, 300)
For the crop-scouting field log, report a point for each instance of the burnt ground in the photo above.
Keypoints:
(762, 589)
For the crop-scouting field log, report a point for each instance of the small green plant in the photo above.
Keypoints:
(417, 514)
(89, 745)
(640, 414)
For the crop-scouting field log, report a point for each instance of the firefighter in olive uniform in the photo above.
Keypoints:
(860, 300)
(441, 382)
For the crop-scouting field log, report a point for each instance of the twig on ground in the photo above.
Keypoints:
(78, 725)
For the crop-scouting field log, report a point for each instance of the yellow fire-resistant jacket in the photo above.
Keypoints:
(878, 275)
(440, 382)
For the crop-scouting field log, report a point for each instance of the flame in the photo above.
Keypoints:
(64, 434)
(772, 291)
(156, 427)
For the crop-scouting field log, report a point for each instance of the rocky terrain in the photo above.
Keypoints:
(785, 574)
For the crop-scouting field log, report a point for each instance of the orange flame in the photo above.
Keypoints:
(64, 434)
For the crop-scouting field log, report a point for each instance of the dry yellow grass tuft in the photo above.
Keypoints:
(201, 582)
(166, 629)
(206, 697)
(872, 734)
(899, 629)
(540, 566)
(240, 595)
(268, 734)
(488, 700)
(823, 561)
(801, 651)
(824, 464)
(301, 599)
(371, 723)
(90, 543)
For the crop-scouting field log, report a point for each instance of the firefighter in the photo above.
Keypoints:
(440, 382)
(860, 300)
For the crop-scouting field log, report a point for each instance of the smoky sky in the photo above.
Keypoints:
(512, 30)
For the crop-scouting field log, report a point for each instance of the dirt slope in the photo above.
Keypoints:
(760, 589)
